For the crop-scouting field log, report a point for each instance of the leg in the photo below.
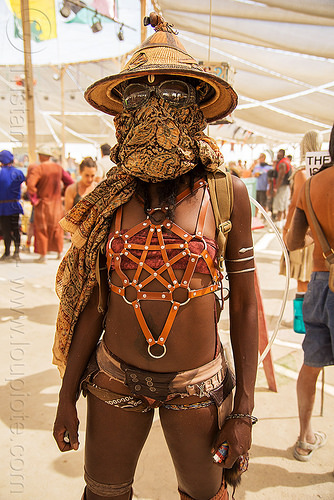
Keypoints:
(190, 435)
(279, 215)
(306, 389)
(114, 440)
(40, 231)
(16, 233)
(6, 233)
(317, 347)
(308, 440)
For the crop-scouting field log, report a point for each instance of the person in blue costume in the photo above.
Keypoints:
(11, 179)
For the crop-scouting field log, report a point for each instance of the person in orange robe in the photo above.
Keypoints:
(44, 183)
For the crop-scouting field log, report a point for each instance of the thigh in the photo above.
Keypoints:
(190, 435)
(114, 440)
(14, 224)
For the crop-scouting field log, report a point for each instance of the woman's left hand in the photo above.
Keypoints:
(238, 434)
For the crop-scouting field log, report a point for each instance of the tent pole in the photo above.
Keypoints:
(142, 15)
(62, 91)
(29, 81)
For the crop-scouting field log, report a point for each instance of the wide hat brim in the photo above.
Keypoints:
(163, 54)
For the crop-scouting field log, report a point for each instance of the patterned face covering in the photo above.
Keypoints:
(155, 142)
(160, 142)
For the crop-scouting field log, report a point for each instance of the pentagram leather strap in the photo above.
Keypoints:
(165, 274)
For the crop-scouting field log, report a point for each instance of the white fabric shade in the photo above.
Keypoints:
(281, 51)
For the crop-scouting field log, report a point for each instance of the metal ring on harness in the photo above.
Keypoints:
(152, 355)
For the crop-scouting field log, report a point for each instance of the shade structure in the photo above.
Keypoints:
(281, 51)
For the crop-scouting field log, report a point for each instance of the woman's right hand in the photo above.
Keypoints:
(65, 428)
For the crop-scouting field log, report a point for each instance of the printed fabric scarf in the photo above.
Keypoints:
(155, 143)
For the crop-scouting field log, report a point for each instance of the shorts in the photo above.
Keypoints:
(318, 314)
(212, 383)
(281, 200)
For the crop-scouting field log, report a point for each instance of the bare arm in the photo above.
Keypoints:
(298, 182)
(66, 178)
(243, 324)
(86, 335)
(296, 235)
(281, 174)
(69, 197)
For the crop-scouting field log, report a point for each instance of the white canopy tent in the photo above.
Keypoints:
(282, 53)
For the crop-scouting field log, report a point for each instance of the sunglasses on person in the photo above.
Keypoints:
(175, 92)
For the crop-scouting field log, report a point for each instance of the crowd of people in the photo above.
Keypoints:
(34, 198)
(52, 191)
(272, 185)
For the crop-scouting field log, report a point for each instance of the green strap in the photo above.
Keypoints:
(221, 195)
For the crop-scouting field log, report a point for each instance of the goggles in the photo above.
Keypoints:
(175, 92)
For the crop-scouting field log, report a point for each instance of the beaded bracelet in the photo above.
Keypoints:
(242, 415)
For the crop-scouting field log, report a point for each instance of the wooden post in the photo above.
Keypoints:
(268, 365)
(28, 81)
(62, 92)
(142, 15)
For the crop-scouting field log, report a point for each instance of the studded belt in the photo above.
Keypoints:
(201, 382)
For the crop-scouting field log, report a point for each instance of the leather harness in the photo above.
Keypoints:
(167, 294)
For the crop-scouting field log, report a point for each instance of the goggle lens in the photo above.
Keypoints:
(175, 92)
(135, 95)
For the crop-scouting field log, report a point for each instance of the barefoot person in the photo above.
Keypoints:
(75, 192)
(137, 324)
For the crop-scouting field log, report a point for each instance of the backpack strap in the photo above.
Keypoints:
(221, 195)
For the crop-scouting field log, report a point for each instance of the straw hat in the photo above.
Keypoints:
(162, 53)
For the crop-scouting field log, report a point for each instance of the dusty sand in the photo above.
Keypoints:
(33, 469)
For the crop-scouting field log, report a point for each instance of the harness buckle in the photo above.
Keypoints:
(225, 227)
(329, 255)
(201, 388)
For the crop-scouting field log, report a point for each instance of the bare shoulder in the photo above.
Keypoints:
(299, 178)
(71, 188)
(240, 192)
(241, 211)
